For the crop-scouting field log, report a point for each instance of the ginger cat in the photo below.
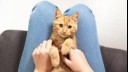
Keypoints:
(63, 37)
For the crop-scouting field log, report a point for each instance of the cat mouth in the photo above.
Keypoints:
(63, 35)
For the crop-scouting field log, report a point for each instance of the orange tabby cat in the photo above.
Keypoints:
(63, 37)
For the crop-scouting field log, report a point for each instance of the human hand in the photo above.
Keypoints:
(77, 61)
(41, 57)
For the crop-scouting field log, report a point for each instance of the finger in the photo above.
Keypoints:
(39, 47)
(67, 61)
(34, 50)
(79, 51)
(48, 46)
(71, 54)
(35, 54)
(43, 45)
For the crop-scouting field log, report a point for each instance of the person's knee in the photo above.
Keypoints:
(85, 14)
(83, 8)
(43, 4)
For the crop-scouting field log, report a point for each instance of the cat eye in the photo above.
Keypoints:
(69, 27)
(61, 25)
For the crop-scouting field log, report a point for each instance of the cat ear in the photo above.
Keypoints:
(75, 16)
(58, 14)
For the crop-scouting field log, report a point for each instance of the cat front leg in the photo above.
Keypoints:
(55, 58)
(66, 46)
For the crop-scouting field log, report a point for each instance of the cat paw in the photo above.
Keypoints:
(65, 50)
(66, 46)
(55, 58)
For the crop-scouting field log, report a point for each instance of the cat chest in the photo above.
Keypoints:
(58, 43)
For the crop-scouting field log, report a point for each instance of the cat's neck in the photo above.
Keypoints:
(64, 38)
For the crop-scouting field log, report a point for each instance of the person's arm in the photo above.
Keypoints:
(42, 58)
(77, 61)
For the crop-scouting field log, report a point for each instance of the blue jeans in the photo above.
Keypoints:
(40, 27)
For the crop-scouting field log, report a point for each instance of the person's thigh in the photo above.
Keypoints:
(87, 36)
(40, 27)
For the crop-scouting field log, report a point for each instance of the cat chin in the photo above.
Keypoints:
(63, 36)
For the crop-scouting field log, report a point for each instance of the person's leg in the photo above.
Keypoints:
(87, 36)
(40, 27)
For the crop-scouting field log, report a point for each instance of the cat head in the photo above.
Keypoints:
(65, 26)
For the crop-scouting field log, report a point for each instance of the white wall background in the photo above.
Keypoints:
(111, 17)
